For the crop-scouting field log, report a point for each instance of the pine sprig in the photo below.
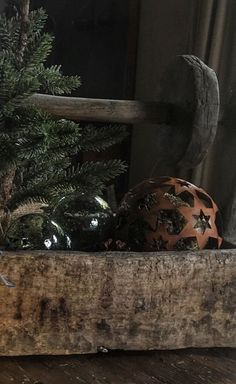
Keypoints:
(27, 208)
(37, 20)
(102, 138)
(9, 32)
(37, 52)
(102, 170)
(54, 82)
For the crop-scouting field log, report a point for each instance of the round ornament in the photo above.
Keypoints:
(167, 213)
(36, 231)
(87, 220)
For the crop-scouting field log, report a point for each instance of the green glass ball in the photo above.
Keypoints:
(36, 231)
(87, 220)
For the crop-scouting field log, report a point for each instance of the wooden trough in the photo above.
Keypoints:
(73, 303)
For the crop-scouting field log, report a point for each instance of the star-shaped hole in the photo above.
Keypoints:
(206, 200)
(172, 220)
(187, 244)
(183, 199)
(148, 201)
(202, 222)
(159, 244)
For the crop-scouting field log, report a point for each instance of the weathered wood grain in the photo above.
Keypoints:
(191, 87)
(104, 110)
(64, 303)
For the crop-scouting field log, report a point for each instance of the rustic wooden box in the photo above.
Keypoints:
(70, 302)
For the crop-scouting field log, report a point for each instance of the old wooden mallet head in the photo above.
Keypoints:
(187, 110)
(190, 89)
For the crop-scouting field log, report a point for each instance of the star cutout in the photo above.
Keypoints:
(202, 222)
(175, 199)
(148, 201)
(159, 244)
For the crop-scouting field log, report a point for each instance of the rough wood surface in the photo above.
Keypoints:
(191, 87)
(205, 366)
(104, 110)
(64, 303)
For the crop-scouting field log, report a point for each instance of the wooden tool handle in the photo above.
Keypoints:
(104, 110)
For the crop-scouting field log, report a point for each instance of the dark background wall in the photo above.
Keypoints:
(91, 40)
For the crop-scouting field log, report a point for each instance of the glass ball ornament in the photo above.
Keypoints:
(36, 231)
(166, 213)
(87, 220)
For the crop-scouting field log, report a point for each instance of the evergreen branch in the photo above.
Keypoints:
(8, 79)
(54, 82)
(9, 32)
(8, 154)
(98, 139)
(24, 195)
(37, 52)
(28, 207)
(35, 149)
(37, 172)
(37, 20)
(90, 179)
(102, 170)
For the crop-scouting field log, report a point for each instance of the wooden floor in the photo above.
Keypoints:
(212, 366)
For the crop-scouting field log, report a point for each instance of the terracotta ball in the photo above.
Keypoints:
(165, 214)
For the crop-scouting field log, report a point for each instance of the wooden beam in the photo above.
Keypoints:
(70, 303)
(104, 110)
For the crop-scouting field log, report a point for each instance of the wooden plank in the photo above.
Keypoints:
(64, 303)
(164, 367)
(104, 110)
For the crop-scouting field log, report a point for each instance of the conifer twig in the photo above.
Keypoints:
(8, 179)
